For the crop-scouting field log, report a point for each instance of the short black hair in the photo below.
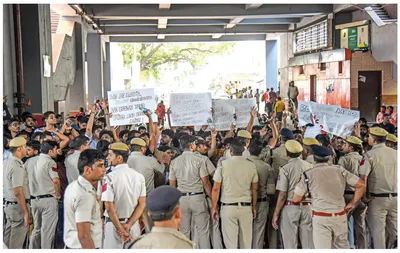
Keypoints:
(47, 114)
(35, 135)
(13, 119)
(292, 155)
(279, 98)
(23, 132)
(391, 107)
(382, 106)
(186, 140)
(255, 147)
(44, 134)
(378, 139)
(102, 146)
(237, 146)
(132, 133)
(27, 116)
(83, 120)
(122, 133)
(144, 134)
(124, 154)
(323, 139)
(142, 127)
(164, 148)
(88, 158)
(102, 120)
(82, 132)
(319, 159)
(95, 127)
(34, 145)
(103, 132)
(79, 141)
(46, 146)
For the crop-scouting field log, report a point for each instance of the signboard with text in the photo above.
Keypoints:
(355, 38)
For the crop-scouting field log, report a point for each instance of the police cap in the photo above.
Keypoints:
(244, 134)
(353, 140)
(119, 146)
(17, 142)
(391, 137)
(377, 131)
(287, 134)
(139, 142)
(162, 201)
(293, 146)
(310, 141)
(321, 151)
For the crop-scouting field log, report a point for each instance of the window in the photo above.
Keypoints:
(340, 67)
(301, 70)
(322, 66)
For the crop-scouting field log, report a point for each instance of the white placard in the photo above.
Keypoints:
(124, 106)
(242, 111)
(188, 109)
(312, 132)
(303, 112)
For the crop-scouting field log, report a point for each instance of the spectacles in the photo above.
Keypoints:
(15, 124)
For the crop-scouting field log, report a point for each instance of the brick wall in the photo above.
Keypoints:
(366, 62)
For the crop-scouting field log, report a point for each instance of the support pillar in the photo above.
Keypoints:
(36, 42)
(271, 50)
(107, 70)
(94, 67)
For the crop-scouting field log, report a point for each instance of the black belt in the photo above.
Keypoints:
(348, 192)
(108, 219)
(263, 199)
(42, 196)
(236, 204)
(14, 202)
(192, 193)
(384, 195)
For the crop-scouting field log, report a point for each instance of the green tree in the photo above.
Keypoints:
(152, 56)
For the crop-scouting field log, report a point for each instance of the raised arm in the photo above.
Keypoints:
(253, 114)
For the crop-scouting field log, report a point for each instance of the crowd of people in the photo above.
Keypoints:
(78, 182)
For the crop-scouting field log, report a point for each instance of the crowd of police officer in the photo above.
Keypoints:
(258, 189)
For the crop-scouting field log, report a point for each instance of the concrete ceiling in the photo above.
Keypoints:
(199, 22)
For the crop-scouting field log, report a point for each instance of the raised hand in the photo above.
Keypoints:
(214, 133)
(253, 112)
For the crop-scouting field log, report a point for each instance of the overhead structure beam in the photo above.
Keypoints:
(161, 36)
(127, 11)
(252, 6)
(201, 38)
(234, 22)
(242, 29)
(162, 23)
(164, 6)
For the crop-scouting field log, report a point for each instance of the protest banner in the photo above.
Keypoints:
(242, 111)
(312, 131)
(188, 109)
(125, 106)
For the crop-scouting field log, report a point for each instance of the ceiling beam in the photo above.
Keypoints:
(202, 38)
(252, 6)
(127, 11)
(164, 6)
(234, 22)
(162, 23)
(161, 36)
(217, 36)
(241, 29)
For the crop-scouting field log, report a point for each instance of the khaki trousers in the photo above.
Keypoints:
(358, 213)
(15, 232)
(382, 218)
(237, 226)
(295, 223)
(259, 225)
(195, 207)
(45, 218)
(271, 233)
(330, 232)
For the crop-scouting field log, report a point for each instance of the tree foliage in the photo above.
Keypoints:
(152, 56)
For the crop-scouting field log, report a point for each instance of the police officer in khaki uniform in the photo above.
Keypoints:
(238, 179)
(264, 172)
(351, 162)
(147, 166)
(245, 136)
(391, 141)
(326, 186)
(124, 195)
(308, 143)
(164, 209)
(16, 194)
(296, 218)
(379, 169)
(279, 159)
(46, 191)
(79, 144)
(215, 232)
(82, 218)
(189, 173)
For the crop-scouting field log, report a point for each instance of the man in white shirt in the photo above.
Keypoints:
(82, 218)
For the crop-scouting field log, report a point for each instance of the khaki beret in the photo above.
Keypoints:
(244, 134)
(377, 131)
(310, 141)
(17, 142)
(293, 146)
(353, 140)
(119, 146)
(139, 142)
(391, 137)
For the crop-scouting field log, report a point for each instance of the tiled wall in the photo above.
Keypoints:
(341, 82)
(366, 62)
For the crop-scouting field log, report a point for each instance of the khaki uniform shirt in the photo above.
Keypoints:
(71, 166)
(81, 205)
(146, 166)
(351, 162)
(326, 184)
(279, 158)
(236, 175)
(14, 176)
(209, 165)
(163, 238)
(310, 159)
(123, 186)
(265, 178)
(188, 169)
(290, 175)
(31, 170)
(380, 165)
(45, 172)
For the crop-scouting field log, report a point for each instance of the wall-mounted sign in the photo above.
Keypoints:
(355, 38)
(311, 38)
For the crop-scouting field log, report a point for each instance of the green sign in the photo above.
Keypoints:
(355, 38)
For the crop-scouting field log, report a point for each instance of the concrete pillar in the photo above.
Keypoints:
(107, 70)
(95, 67)
(76, 92)
(36, 42)
(271, 50)
(9, 62)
